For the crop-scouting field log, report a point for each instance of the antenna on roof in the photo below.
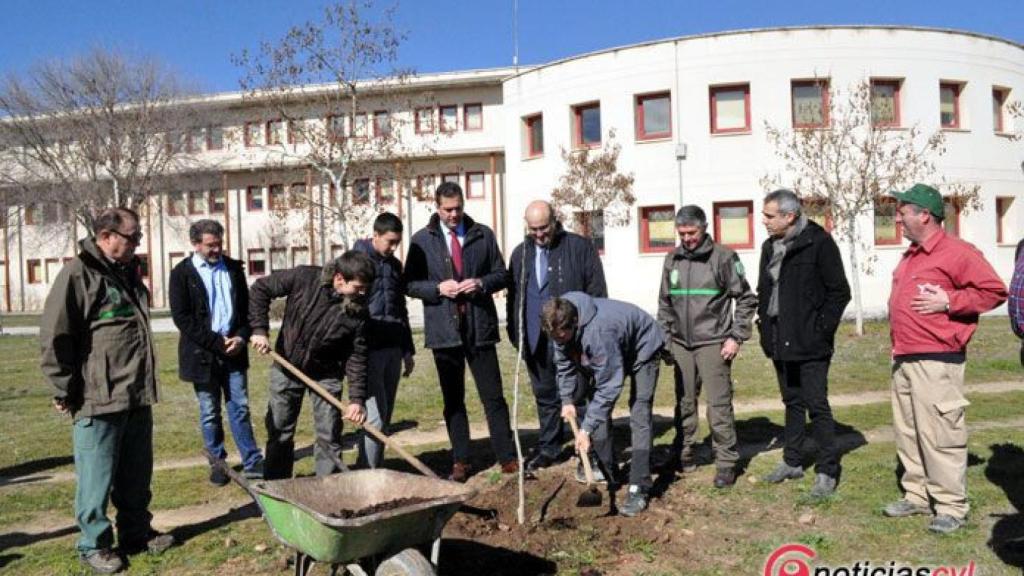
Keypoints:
(515, 33)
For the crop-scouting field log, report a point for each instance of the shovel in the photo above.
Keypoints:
(591, 497)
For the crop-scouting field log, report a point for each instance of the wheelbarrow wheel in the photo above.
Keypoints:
(408, 562)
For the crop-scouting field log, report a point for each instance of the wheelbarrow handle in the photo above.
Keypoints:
(373, 430)
(584, 458)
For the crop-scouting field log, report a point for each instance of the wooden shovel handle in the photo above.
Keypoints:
(585, 458)
(373, 430)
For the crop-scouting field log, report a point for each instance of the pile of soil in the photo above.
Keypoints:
(346, 514)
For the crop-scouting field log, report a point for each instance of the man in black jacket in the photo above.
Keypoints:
(388, 334)
(454, 266)
(547, 264)
(323, 335)
(210, 306)
(802, 292)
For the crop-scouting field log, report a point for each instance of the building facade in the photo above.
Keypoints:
(690, 115)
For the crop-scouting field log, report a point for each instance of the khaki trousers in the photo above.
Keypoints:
(704, 367)
(929, 420)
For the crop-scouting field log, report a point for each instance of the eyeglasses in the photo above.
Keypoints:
(134, 238)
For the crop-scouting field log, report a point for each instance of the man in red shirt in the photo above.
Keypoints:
(939, 288)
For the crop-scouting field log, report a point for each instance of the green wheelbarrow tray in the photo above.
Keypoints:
(298, 511)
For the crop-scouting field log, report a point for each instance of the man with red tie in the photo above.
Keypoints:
(454, 266)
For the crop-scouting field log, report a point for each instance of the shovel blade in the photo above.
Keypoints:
(590, 498)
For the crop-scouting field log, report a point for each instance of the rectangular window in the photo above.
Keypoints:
(216, 201)
(175, 203)
(33, 214)
(278, 259)
(51, 213)
(818, 210)
(254, 198)
(174, 258)
(361, 125)
(949, 104)
(424, 120)
(297, 195)
(474, 184)
(214, 137)
(999, 96)
(810, 103)
(196, 201)
(730, 108)
(361, 191)
(53, 266)
(34, 267)
(657, 228)
(196, 140)
(1004, 220)
(653, 116)
(449, 118)
(336, 127)
(385, 192)
(425, 186)
(473, 117)
(336, 251)
(586, 125)
(296, 131)
(252, 135)
(381, 124)
(257, 262)
(887, 230)
(951, 220)
(591, 225)
(276, 197)
(451, 177)
(300, 256)
(533, 127)
(885, 102)
(734, 224)
(275, 132)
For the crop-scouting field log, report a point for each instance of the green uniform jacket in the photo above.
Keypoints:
(97, 348)
(695, 305)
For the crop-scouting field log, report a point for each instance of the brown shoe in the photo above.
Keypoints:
(460, 472)
(510, 467)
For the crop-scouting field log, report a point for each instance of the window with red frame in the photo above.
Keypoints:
(949, 104)
(730, 108)
(385, 192)
(425, 186)
(295, 130)
(217, 204)
(533, 130)
(278, 259)
(275, 132)
(175, 203)
(214, 137)
(657, 228)
(196, 201)
(810, 103)
(196, 139)
(887, 230)
(276, 199)
(257, 262)
(999, 96)
(474, 185)
(300, 256)
(33, 214)
(174, 258)
(590, 225)
(449, 115)
(819, 211)
(361, 191)
(336, 127)
(472, 117)
(586, 125)
(252, 134)
(734, 224)
(381, 124)
(34, 267)
(297, 195)
(424, 120)
(1004, 219)
(53, 266)
(451, 177)
(885, 102)
(653, 116)
(951, 220)
(254, 198)
(361, 125)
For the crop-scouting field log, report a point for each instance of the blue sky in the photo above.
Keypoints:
(197, 37)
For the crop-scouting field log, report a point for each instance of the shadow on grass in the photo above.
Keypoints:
(10, 474)
(21, 539)
(6, 559)
(468, 558)
(187, 532)
(1006, 469)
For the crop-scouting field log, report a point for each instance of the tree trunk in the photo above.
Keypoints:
(853, 235)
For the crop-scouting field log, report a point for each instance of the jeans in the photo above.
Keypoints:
(233, 386)
(383, 371)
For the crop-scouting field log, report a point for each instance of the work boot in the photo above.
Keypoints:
(154, 543)
(460, 472)
(824, 486)
(636, 501)
(218, 477)
(103, 561)
(903, 508)
(784, 472)
(725, 477)
(946, 524)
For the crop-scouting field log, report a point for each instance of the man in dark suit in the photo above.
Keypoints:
(454, 266)
(210, 306)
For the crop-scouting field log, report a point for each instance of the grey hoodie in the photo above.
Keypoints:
(613, 340)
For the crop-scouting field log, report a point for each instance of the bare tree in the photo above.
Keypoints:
(330, 91)
(853, 159)
(95, 131)
(592, 184)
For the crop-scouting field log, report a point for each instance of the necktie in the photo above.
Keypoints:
(542, 267)
(456, 255)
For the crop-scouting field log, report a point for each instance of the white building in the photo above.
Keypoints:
(690, 116)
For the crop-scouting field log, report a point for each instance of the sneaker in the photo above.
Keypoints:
(784, 472)
(218, 477)
(581, 476)
(255, 472)
(824, 486)
(725, 477)
(103, 561)
(154, 543)
(460, 472)
(946, 524)
(903, 508)
(636, 501)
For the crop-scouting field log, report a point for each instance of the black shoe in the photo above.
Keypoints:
(154, 543)
(103, 561)
(725, 477)
(538, 460)
(255, 472)
(218, 477)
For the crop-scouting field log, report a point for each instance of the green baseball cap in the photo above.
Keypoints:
(924, 196)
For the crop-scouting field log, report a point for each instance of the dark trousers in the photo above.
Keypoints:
(451, 371)
(804, 387)
(283, 408)
(541, 367)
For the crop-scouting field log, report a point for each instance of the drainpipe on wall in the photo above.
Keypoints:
(7, 259)
(164, 272)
